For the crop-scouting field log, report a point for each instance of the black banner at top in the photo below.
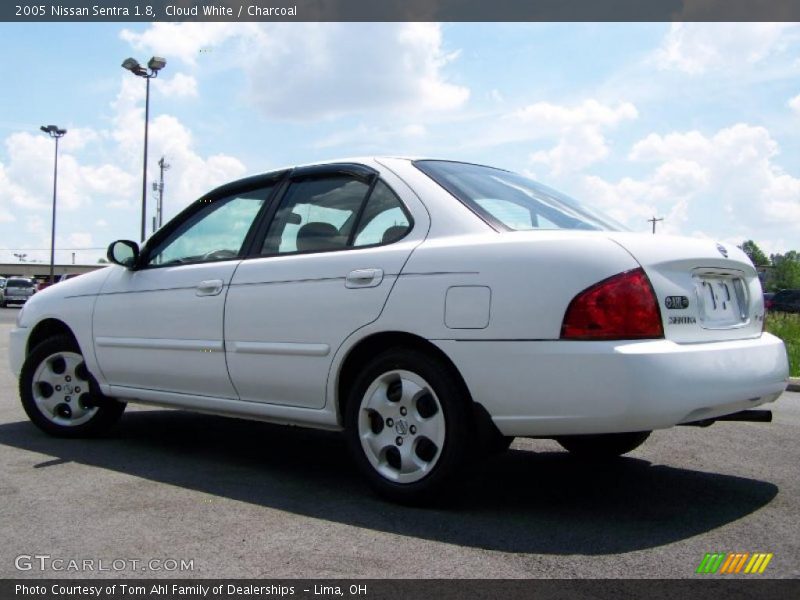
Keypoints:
(400, 10)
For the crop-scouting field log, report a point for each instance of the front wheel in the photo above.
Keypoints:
(59, 394)
(407, 425)
(603, 446)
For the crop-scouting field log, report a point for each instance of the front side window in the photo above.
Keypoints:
(315, 215)
(512, 202)
(215, 232)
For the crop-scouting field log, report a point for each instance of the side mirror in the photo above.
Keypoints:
(123, 252)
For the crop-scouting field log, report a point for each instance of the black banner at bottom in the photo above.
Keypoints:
(400, 589)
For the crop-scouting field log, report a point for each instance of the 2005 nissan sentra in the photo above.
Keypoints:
(432, 310)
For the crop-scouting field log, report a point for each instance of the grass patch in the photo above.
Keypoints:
(787, 327)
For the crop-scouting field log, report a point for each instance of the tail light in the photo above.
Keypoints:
(622, 307)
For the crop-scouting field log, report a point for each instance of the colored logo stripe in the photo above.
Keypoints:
(758, 563)
(734, 562)
(711, 563)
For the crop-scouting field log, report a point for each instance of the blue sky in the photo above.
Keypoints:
(696, 123)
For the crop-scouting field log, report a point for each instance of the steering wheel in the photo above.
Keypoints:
(220, 254)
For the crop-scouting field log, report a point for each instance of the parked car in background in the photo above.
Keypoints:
(786, 301)
(2, 282)
(431, 310)
(17, 290)
(768, 296)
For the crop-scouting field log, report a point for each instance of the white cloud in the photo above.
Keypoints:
(185, 41)
(579, 130)
(588, 113)
(696, 48)
(109, 187)
(726, 183)
(364, 138)
(179, 85)
(794, 104)
(306, 71)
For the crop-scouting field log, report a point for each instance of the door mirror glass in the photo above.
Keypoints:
(123, 252)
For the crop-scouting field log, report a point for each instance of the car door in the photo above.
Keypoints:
(158, 327)
(332, 249)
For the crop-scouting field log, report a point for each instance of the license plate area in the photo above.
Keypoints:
(722, 300)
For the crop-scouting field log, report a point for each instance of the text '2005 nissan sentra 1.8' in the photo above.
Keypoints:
(432, 310)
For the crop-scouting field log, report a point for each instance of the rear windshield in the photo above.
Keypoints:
(512, 202)
(19, 284)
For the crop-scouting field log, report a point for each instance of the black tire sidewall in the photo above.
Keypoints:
(107, 414)
(454, 404)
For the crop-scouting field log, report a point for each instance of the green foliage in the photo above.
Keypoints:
(755, 253)
(787, 327)
(786, 274)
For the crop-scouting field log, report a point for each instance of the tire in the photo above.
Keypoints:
(59, 394)
(500, 444)
(408, 426)
(602, 446)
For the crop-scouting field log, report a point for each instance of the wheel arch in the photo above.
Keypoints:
(376, 343)
(48, 328)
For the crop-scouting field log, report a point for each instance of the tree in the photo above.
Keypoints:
(755, 253)
(786, 272)
(102, 261)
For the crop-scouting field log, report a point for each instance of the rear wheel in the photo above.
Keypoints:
(604, 445)
(407, 425)
(59, 394)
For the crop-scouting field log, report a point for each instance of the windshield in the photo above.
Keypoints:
(512, 202)
(16, 283)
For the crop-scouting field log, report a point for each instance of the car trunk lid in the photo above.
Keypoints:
(707, 291)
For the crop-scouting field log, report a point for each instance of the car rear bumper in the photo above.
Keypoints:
(547, 388)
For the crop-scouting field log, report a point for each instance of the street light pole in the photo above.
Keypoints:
(154, 65)
(56, 133)
(144, 162)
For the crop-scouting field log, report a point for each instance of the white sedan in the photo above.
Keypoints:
(432, 310)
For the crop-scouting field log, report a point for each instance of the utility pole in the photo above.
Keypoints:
(158, 187)
(654, 221)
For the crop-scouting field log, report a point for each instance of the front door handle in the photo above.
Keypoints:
(210, 287)
(363, 278)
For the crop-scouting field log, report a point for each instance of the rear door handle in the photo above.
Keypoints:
(363, 278)
(210, 287)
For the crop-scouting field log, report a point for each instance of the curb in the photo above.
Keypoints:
(794, 384)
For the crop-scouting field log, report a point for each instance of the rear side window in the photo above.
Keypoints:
(384, 219)
(315, 214)
(511, 202)
(336, 212)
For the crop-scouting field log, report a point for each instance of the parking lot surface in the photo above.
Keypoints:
(246, 499)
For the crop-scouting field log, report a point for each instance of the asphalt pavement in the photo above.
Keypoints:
(242, 499)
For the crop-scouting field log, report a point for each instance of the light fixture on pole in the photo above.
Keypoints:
(154, 65)
(20, 256)
(56, 133)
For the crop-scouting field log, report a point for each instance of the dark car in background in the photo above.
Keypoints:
(768, 296)
(16, 291)
(786, 301)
